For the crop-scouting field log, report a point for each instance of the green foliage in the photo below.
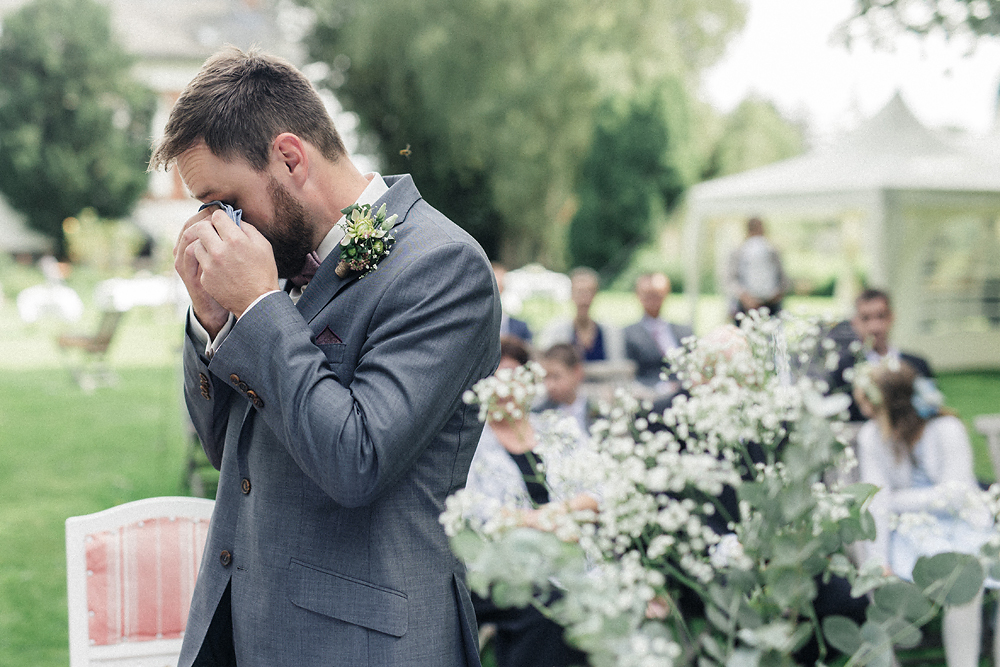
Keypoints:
(754, 134)
(74, 126)
(875, 18)
(495, 99)
(637, 160)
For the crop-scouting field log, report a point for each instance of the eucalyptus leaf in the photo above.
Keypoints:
(842, 633)
(877, 645)
(713, 648)
(467, 545)
(841, 565)
(949, 578)
(744, 657)
(719, 619)
(506, 594)
(903, 599)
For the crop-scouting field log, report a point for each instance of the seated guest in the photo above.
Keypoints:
(594, 342)
(871, 324)
(920, 458)
(506, 469)
(649, 340)
(509, 326)
(563, 379)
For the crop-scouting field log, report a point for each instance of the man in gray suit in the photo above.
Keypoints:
(333, 410)
(649, 340)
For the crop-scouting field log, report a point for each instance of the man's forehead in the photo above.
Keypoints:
(873, 308)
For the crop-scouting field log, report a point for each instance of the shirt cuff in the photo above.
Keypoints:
(200, 334)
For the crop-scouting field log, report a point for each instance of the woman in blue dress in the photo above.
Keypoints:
(919, 456)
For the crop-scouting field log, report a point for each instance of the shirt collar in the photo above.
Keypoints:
(376, 188)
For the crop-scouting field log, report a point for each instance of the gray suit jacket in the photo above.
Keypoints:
(643, 350)
(336, 457)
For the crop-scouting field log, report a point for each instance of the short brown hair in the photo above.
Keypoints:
(514, 348)
(871, 294)
(563, 353)
(238, 103)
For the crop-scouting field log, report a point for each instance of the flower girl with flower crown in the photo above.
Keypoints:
(919, 456)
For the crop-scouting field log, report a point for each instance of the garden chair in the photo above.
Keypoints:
(92, 371)
(130, 574)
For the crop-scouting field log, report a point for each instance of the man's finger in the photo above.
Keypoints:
(224, 226)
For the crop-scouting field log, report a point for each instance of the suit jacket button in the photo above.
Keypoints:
(245, 486)
(206, 395)
(203, 378)
(225, 558)
(242, 386)
(234, 378)
(255, 399)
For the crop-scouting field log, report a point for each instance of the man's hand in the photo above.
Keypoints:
(224, 266)
(208, 311)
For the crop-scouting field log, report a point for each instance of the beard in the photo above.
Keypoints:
(289, 234)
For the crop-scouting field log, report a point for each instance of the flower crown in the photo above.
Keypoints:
(508, 393)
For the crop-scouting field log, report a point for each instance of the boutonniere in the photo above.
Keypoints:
(366, 241)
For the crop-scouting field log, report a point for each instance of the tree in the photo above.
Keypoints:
(74, 126)
(752, 135)
(638, 161)
(876, 18)
(496, 99)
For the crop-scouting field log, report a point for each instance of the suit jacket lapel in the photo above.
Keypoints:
(326, 285)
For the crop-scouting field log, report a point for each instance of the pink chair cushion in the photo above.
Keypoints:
(140, 579)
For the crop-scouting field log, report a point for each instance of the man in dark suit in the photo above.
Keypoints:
(649, 340)
(871, 325)
(332, 407)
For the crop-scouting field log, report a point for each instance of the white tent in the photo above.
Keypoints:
(918, 213)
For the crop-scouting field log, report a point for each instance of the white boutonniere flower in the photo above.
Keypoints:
(366, 241)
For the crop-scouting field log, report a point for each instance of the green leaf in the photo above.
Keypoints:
(719, 619)
(790, 587)
(743, 657)
(841, 565)
(842, 633)
(877, 647)
(870, 577)
(467, 545)
(949, 578)
(713, 648)
(903, 599)
(860, 491)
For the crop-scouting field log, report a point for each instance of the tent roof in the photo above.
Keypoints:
(890, 151)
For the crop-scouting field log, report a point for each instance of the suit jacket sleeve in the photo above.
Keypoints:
(429, 338)
(207, 398)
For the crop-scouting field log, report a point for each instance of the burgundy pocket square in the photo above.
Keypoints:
(327, 337)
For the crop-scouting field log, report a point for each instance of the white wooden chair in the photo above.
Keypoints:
(130, 574)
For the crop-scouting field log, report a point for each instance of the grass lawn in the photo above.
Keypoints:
(64, 452)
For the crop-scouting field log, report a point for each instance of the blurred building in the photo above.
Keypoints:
(171, 40)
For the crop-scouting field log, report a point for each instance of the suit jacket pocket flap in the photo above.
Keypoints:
(348, 599)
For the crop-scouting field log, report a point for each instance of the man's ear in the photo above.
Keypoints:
(288, 154)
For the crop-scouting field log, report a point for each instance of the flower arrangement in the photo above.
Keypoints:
(366, 241)
(508, 393)
(754, 427)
